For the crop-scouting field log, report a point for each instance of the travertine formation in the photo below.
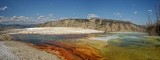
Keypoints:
(106, 25)
(57, 30)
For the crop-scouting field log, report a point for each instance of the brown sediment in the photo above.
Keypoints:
(70, 52)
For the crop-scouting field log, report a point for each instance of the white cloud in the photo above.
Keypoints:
(48, 17)
(40, 17)
(1, 16)
(149, 12)
(24, 19)
(16, 20)
(63, 18)
(75, 17)
(51, 15)
(117, 13)
(19, 19)
(92, 16)
(135, 12)
(3, 8)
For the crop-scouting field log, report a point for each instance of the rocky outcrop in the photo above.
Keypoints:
(106, 25)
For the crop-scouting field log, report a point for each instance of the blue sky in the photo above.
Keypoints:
(130, 10)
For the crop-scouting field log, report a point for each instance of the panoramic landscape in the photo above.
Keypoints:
(79, 30)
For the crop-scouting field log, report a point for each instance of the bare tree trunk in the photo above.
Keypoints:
(153, 28)
(158, 19)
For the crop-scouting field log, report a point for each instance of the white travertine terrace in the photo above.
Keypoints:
(57, 30)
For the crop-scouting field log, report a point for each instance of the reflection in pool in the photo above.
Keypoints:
(39, 39)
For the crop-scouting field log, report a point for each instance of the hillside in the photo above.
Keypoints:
(13, 26)
(106, 25)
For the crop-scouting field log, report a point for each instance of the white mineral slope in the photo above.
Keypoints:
(11, 50)
(5, 53)
(57, 30)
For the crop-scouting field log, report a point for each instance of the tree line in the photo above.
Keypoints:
(153, 27)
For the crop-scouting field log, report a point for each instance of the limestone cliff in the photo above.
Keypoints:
(106, 25)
